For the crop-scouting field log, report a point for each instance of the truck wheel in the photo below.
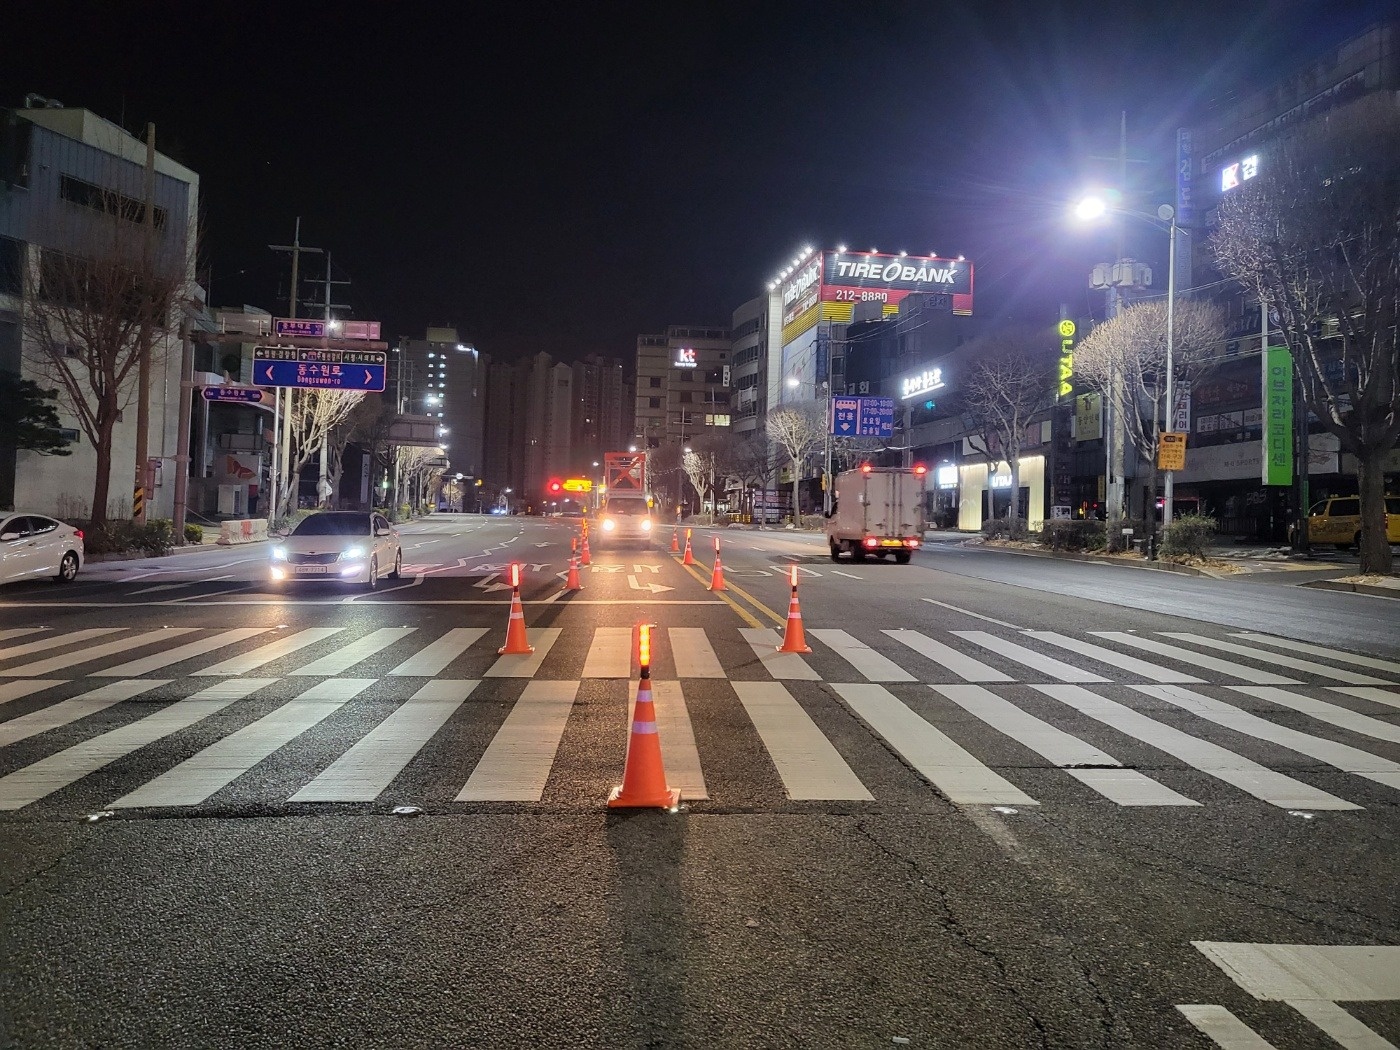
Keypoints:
(901, 557)
(835, 550)
(857, 552)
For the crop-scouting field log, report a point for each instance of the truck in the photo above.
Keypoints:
(877, 511)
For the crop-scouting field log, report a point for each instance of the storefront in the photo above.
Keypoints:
(986, 494)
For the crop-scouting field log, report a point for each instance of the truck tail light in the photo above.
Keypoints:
(911, 543)
(871, 541)
(920, 470)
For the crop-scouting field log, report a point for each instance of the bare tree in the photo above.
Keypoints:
(749, 462)
(1125, 360)
(90, 313)
(360, 425)
(799, 432)
(314, 415)
(663, 475)
(1316, 236)
(1012, 382)
(418, 467)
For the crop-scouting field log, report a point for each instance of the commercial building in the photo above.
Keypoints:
(73, 187)
(683, 378)
(441, 377)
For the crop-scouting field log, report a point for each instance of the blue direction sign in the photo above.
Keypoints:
(233, 393)
(296, 326)
(317, 369)
(862, 417)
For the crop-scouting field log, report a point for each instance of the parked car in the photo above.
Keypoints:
(1338, 521)
(349, 546)
(34, 545)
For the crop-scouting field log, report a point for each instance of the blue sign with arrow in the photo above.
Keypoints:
(315, 369)
(862, 417)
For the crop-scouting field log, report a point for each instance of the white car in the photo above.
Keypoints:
(34, 545)
(349, 546)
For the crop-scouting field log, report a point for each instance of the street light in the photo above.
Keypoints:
(1095, 207)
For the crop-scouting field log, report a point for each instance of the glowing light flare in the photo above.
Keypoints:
(792, 576)
(515, 575)
(865, 468)
(920, 470)
(644, 645)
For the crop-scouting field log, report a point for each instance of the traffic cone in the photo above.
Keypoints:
(643, 775)
(794, 640)
(516, 642)
(586, 559)
(717, 574)
(572, 583)
(689, 558)
(675, 546)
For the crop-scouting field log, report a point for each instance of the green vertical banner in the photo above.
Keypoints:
(1278, 417)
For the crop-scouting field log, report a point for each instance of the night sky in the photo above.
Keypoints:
(562, 177)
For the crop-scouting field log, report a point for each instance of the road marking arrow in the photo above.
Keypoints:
(655, 588)
(607, 568)
(650, 568)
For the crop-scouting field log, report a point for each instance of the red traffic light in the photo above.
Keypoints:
(865, 468)
(920, 469)
(555, 486)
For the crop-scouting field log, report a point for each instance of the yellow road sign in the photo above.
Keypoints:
(1171, 451)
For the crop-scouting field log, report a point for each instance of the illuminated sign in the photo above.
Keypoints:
(801, 291)
(1066, 357)
(866, 277)
(578, 485)
(685, 358)
(946, 477)
(928, 380)
(1232, 175)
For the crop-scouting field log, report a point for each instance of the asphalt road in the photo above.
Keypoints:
(1004, 802)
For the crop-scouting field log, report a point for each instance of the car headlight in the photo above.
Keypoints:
(279, 553)
(352, 553)
(608, 525)
(646, 524)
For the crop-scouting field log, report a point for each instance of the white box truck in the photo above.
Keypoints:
(877, 511)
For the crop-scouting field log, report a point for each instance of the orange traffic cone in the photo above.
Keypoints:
(516, 642)
(572, 583)
(586, 559)
(794, 640)
(643, 775)
(675, 546)
(717, 574)
(689, 558)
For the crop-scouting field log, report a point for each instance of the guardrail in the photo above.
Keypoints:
(245, 530)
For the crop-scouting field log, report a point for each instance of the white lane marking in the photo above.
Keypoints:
(678, 751)
(867, 661)
(1317, 650)
(1127, 787)
(1234, 671)
(72, 709)
(693, 654)
(147, 664)
(764, 642)
(16, 632)
(359, 650)
(1333, 714)
(1224, 1029)
(965, 667)
(363, 772)
(849, 576)
(1152, 672)
(1328, 972)
(808, 764)
(516, 764)
(1210, 759)
(221, 763)
(14, 690)
(1343, 756)
(50, 774)
(1035, 661)
(164, 587)
(265, 654)
(1322, 671)
(1344, 1029)
(56, 641)
(969, 612)
(216, 579)
(1389, 697)
(943, 763)
(87, 655)
(610, 655)
(525, 665)
(434, 658)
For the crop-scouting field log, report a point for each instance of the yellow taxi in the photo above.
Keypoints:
(1338, 521)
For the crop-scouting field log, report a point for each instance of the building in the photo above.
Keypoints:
(748, 372)
(602, 413)
(441, 377)
(73, 186)
(683, 378)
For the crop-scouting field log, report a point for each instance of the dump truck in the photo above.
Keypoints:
(877, 511)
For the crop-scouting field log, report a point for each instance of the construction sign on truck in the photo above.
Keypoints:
(625, 472)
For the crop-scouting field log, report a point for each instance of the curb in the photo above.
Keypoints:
(1151, 566)
(1355, 588)
(187, 548)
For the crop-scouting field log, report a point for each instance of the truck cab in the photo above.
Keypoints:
(877, 511)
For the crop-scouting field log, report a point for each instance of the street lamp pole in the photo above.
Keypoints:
(1166, 211)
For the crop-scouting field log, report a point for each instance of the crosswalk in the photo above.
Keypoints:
(118, 718)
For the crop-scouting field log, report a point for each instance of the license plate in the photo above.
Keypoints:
(321, 569)
(891, 543)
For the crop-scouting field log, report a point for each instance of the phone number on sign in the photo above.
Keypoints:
(855, 295)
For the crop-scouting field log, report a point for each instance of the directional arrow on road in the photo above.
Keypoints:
(655, 588)
(649, 568)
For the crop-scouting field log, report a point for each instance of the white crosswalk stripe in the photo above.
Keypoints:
(610, 655)
(87, 655)
(1316, 650)
(679, 754)
(1223, 1028)
(1335, 714)
(1389, 697)
(55, 641)
(1152, 672)
(18, 632)
(1337, 674)
(526, 665)
(15, 690)
(965, 667)
(783, 666)
(357, 651)
(265, 654)
(68, 711)
(516, 765)
(1234, 672)
(189, 651)
(694, 655)
(810, 767)
(434, 658)
(867, 661)
(1035, 661)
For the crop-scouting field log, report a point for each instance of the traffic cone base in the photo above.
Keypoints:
(794, 640)
(643, 776)
(516, 641)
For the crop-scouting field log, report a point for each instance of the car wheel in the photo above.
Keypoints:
(398, 565)
(67, 568)
(373, 579)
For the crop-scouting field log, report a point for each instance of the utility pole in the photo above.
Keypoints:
(296, 248)
(146, 334)
(323, 482)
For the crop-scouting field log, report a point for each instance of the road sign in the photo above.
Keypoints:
(297, 326)
(318, 369)
(247, 395)
(358, 330)
(862, 417)
(1171, 451)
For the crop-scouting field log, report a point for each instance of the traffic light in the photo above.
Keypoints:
(554, 487)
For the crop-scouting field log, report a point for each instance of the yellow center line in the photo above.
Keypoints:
(747, 617)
